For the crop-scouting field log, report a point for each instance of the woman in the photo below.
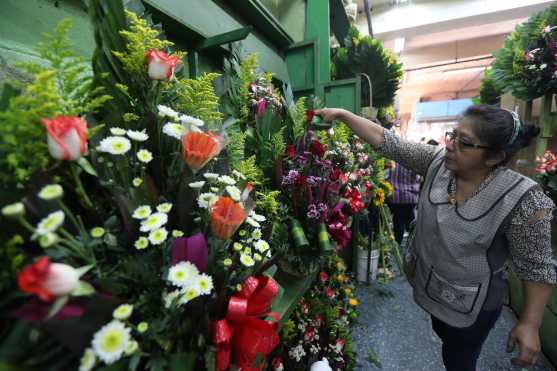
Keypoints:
(473, 214)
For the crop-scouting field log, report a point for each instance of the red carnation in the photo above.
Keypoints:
(290, 151)
(309, 115)
(317, 148)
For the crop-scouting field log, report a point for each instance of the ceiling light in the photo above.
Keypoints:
(399, 45)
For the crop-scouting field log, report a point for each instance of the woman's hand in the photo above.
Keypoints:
(528, 339)
(329, 114)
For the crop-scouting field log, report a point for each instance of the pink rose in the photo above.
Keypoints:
(67, 137)
(47, 280)
(161, 65)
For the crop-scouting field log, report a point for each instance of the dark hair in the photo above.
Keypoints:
(432, 142)
(495, 127)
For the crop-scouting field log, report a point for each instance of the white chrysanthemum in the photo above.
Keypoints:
(138, 136)
(115, 145)
(154, 221)
(205, 200)
(88, 360)
(173, 130)
(123, 311)
(234, 192)
(227, 262)
(51, 192)
(197, 185)
(257, 257)
(137, 182)
(247, 260)
(141, 243)
(257, 217)
(211, 176)
(256, 234)
(191, 123)
(227, 180)
(247, 251)
(237, 246)
(164, 207)
(170, 297)
(13, 210)
(252, 222)
(177, 233)
(158, 236)
(110, 341)
(188, 294)
(142, 212)
(182, 274)
(167, 111)
(50, 223)
(204, 284)
(142, 327)
(131, 348)
(48, 240)
(97, 232)
(144, 156)
(117, 131)
(214, 189)
(238, 174)
(261, 245)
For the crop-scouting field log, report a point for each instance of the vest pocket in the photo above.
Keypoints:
(461, 299)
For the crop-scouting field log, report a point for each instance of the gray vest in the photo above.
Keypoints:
(447, 261)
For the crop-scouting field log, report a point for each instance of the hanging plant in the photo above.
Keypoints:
(526, 65)
(489, 92)
(362, 54)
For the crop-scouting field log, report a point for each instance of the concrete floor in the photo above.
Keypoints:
(400, 334)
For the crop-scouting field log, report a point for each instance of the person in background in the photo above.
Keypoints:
(406, 187)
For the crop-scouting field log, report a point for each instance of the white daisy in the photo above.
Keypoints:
(141, 243)
(237, 246)
(206, 200)
(191, 121)
(117, 131)
(123, 311)
(257, 217)
(247, 260)
(167, 111)
(173, 130)
(261, 245)
(142, 327)
(48, 240)
(252, 222)
(131, 348)
(142, 212)
(137, 182)
(176, 233)
(197, 185)
(182, 274)
(158, 236)
(204, 284)
(51, 192)
(188, 294)
(88, 360)
(138, 136)
(115, 145)
(211, 176)
(247, 251)
(234, 192)
(144, 156)
(256, 234)
(50, 223)
(110, 341)
(214, 189)
(154, 221)
(13, 210)
(257, 257)
(227, 262)
(164, 207)
(227, 180)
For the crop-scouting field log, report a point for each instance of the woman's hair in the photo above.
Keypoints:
(432, 142)
(497, 128)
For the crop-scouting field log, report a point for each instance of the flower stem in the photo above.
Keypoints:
(79, 187)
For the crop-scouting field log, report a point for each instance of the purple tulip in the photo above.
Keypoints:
(192, 249)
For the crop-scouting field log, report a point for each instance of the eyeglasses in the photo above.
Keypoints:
(451, 136)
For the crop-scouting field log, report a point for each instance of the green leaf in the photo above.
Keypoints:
(82, 270)
(83, 289)
(182, 362)
(134, 362)
(86, 166)
(58, 304)
(374, 358)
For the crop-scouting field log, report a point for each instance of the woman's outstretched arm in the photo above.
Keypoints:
(365, 129)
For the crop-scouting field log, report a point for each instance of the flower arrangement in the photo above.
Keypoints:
(546, 171)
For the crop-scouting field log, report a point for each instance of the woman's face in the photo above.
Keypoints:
(463, 156)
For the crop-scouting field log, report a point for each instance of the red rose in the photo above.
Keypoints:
(290, 151)
(330, 292)
(47, 280)
(309, 334)
(161, 65)
(317, 148)
(67, 137)
(323, 277)
(309, 115)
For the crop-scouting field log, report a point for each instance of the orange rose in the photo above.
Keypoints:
(226, 217)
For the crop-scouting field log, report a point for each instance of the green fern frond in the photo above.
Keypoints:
(235, 149)
(251, 170)
(300, 120)
(197, 98)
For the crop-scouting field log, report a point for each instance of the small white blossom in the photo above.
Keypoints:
(114, 145)
(227, 180)
(48, 240)
(173, 130)
(144, 156)
(238, 174)
(137, 182)
(164, 207)
(176, 233)
(170, 297)
(182, 274)
(13, 210)
(50, 223)
(158, 236)
(197, 185)
(191, 123)
(234, 192)
(131, 348)
(211, 176)
(123, 311)
(188, 294)
(138, 136)
(142, 212)
(141, 243)
(204, 284)
(247, 260)
(51, 192)
(261, 245)
(110, 341)
(206, 200)
(165, 111)
(252, 222)
(117, 131)
(154, 221)
(88, 360)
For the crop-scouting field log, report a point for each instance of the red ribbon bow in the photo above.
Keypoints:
(242, 330)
